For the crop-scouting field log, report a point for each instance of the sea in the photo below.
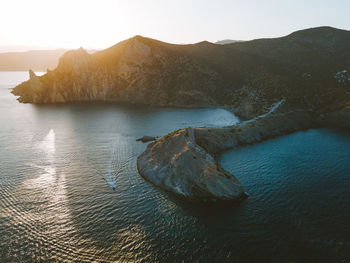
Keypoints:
(70, 190)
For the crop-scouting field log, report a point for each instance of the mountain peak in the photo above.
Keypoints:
(138, 37)
(317, 32)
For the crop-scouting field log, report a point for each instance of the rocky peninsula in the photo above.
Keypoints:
(184, 161)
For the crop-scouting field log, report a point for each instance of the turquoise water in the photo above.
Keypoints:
(60, 164)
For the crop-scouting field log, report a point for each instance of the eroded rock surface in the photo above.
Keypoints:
(177, 164)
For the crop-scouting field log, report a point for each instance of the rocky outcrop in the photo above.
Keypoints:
(177, 164)
(217, 140)
(183, 162)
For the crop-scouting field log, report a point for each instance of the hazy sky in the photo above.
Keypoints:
(99, 24)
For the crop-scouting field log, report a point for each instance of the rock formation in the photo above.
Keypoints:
(177, 164)
(183, 162)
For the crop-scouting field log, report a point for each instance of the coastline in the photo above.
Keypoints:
(169, 163)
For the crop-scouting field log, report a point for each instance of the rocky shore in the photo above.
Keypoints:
(183, 162)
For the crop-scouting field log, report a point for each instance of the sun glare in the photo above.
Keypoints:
(64, 23)
(99, 24)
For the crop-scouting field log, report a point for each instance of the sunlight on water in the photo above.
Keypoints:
(48, 144)
(59, 165)
(49, 188)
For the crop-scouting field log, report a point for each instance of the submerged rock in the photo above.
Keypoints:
(146, 139)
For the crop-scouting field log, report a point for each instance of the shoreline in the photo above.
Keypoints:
(173, 164)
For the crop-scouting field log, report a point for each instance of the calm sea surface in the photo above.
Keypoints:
(59, 165)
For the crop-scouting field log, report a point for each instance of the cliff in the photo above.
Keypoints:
(307, 68)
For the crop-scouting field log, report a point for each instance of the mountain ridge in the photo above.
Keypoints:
(246, 76)
(37, 60)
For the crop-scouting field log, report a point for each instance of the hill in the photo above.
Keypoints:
(37, 60)
(307, 69)
(227, 41)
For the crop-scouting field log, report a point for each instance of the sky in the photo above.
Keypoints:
(100, 24)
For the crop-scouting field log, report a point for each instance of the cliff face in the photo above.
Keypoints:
(133, 71)
(307, 68)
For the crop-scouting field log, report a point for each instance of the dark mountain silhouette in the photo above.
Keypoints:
(227, 41)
